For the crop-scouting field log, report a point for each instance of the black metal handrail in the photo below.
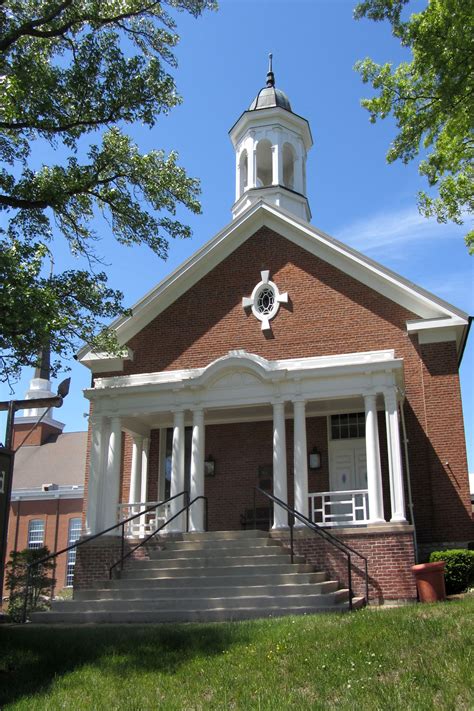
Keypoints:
(84, 541)
(343, 547)
(186, 508)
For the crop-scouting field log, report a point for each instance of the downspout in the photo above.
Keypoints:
(17, 526)
(407, 466)
(56, 532)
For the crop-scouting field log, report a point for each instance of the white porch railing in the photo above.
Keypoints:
(146, 524)
(339, 508)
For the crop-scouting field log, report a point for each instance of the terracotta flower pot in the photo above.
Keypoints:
(430, 581)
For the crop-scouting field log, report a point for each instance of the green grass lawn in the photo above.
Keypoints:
(417, 657)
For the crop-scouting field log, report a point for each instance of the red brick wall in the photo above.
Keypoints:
(94, 560)
(39, 435)
(329, 313)
(390, 557)
(54, 513)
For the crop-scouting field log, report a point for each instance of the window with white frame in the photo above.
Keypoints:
(348, 426)
(36, 533)
(75, 527)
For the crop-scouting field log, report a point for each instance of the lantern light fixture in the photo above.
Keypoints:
(314, 459)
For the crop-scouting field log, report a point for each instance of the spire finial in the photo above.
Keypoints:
(43, 365)
(270, 75)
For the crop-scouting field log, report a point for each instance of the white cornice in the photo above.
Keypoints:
(37, 493)
(386, 282)
(266, 370)
(272, 116)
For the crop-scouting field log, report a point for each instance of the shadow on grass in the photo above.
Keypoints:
(31, 658)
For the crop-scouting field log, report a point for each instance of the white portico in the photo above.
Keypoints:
(236, 388)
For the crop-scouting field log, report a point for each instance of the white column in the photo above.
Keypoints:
(196, 512)
(143, 482)
(397, 493)
(144, 469)
(162, 466)
(300, 460)
(252, 165)
(237, 176)
(280, 486)
(96, 472)
(374, 471)
(177, 473)
(136, 471)
(275, 164)
(112, 476)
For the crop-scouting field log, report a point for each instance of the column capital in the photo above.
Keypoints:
(298, 401)
(390, 395)
(178, 416)
(276, 404)
(198, 415)
(369, 395)
(96, 420)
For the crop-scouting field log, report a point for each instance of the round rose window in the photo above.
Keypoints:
(265, 300)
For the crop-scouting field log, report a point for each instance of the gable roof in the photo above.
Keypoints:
(61, 461)
(434, 314)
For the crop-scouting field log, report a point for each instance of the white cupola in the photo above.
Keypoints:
(271, 143)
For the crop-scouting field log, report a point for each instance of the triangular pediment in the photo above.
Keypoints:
(431, 313)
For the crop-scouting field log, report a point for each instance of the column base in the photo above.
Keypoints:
(280, 527)
(376, 522)
(401, 520)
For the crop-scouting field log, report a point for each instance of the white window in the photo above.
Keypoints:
(75, 527)
(350, 426)
(36, 533)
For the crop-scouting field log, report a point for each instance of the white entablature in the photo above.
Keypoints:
(240, 379)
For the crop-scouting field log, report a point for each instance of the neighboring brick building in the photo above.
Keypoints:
(48, 485)
(283, 358)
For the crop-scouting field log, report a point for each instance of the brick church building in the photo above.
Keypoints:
(277, 356)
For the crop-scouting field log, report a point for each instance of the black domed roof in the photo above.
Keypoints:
(269, 96)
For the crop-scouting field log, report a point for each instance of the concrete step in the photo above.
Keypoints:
(216, 551)
(196, 592)
(195, 582)
(204, 603)
(223, 544)
(198, 560)
(190, 615)
(215, 571)
(220, 535)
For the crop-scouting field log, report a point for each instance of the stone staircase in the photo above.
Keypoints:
(204, 577)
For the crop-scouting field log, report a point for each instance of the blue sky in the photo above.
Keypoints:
(354, 194)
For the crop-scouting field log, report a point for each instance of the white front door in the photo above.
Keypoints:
(348, 472)
(347, 464)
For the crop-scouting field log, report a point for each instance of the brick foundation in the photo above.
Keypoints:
(390, 557)
(93, 559)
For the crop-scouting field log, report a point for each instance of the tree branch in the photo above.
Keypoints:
(29, 29)
(28, 26)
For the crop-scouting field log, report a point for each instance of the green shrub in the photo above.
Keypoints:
(459, 568)
(39, 584)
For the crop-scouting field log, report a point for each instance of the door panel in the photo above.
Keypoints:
(360, 456)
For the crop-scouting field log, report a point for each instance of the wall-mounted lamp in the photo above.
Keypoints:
(314, 459)
(210, 466)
